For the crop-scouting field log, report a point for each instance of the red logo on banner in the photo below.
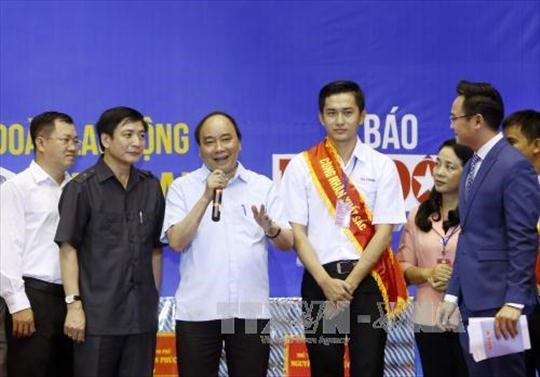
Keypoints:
(283, 162)
(404, 177)
(422, 178)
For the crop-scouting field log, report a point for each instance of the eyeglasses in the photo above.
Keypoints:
(68, 140)
(453, 118)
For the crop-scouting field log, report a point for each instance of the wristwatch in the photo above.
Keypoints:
(72, 298)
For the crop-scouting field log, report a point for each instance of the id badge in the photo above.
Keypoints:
(343, 214)
(444, 260)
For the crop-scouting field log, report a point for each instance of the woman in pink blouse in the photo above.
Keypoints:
(426, 254)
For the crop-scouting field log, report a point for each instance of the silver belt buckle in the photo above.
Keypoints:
(345, 265)
(339, 268)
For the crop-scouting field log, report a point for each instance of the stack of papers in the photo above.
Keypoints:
(484, 345)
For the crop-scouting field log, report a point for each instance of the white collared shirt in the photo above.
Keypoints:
(375, 177)
(224, 270)
(28, 221)
(484, 150)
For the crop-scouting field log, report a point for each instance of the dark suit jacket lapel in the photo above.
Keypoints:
(485, 168)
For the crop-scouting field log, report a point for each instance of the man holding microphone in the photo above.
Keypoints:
(224, 289)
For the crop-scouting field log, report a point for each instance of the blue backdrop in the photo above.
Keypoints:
(263, 62)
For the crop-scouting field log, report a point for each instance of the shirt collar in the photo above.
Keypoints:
(359, 150)
(104, 172)
(359, 153)
(484, 149)
(40, 175)
(241, 173)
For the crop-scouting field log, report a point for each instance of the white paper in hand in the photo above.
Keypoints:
(484, 345)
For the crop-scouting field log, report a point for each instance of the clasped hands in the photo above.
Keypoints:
(339, 293)
(439, 276)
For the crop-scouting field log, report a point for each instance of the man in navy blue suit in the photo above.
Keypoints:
(499, 202)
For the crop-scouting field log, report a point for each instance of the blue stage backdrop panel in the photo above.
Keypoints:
(264, 62)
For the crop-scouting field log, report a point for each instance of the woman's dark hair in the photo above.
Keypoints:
(432, 205)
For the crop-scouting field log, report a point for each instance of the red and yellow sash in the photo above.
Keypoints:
(328, 175)
(538, 262)
(538, 272)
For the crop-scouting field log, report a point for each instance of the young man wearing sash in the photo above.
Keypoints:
(343, 199)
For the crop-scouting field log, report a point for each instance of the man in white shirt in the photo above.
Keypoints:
(343, 200)
(499, 206)
(3, 311)
(31, 283)
(223, 292)
(522, 130)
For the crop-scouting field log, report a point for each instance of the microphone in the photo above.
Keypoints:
(216, 204)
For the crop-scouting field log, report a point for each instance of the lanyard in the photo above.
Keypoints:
(445, 240)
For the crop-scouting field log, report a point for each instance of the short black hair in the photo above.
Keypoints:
(482, 98)
(112, 118)
(43, 124)
(342, 86)
(214, 113)
(528, 122)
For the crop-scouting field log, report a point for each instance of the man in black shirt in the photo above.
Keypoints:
(110, 220)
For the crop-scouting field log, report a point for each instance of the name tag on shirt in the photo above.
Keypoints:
(343, 214)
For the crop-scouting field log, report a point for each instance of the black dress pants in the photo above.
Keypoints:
(533, 355)
(325, 338)
(3, 340)
(440, 352)
(48, 352)
(115, 355)
(199, 346)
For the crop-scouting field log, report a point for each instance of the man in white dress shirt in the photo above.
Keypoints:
(3, 310)
(223, 291)
(31, 283)
(522, 130)
(343, 199)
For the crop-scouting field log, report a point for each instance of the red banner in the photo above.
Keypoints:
(165, 361)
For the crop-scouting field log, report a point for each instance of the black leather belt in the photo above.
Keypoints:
(342, 267)
(44, 286)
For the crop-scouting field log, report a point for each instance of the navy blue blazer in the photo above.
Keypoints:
(497, 247)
